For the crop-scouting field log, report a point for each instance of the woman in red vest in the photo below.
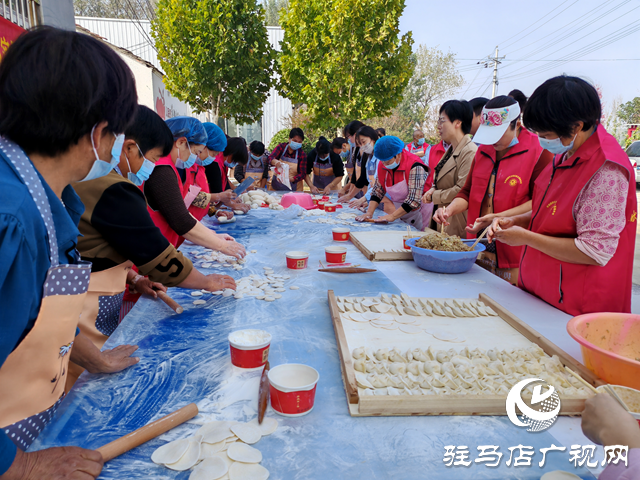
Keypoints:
(401, 177)
(173, 187)
(500, 182)
(579, 237)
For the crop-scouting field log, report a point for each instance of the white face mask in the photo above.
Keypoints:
(556, 146)
(368, 148)
(100, 168)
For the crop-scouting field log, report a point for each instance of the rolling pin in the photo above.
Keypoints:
(347, 270)
(148, 432)
(175, 306)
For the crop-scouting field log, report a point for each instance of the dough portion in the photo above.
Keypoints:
(170, 452)
(268, 426)
(240, 452)
(210, 469)
(248, 471)
(247, 432)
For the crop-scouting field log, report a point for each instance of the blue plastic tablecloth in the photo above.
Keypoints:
(185, 358)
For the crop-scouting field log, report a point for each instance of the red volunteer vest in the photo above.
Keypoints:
(572, 288)
(389, 178)
(511, 188)
(195, 175)
(435, 155)
(223, 171)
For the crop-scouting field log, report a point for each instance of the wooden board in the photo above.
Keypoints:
(449, 404)
(373, 244)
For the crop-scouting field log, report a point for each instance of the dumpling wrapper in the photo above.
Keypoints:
(210, 449)
(357, 317)
(405, 319)
(369, 302)
(268, 425)
(189, 459)
(410, 329)
(239, 452)
(210, 469)
(215, 432)
(368, 316)
(390, 327)
(248, 471)
(170, 452)
(247, 433)
(381, 308)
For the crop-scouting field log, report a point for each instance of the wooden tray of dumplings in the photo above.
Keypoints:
(473, 329)
(385, 245)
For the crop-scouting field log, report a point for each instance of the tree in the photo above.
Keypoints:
(272, 11)
(629, 112)
(216, 55)
(344, 60)
(135, 9)
(434, 79)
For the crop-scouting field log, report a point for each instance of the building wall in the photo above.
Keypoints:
(58, 13)
(276, 108)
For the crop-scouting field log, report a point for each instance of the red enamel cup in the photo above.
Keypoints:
(321, 204)
(297, 260)
(336, 254)
(292, 388)
(340, 234)
(249, 348)
(330, 207)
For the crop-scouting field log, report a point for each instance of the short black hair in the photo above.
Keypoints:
(257, 148)
(149, 131)
(323, 146)
(459, 110)
(352, 127)
(560, 103)
(237, 148)
(381, 132)
(338, 142)
(296, 132)
(504, 101)
(478, 104)
(55, 85)
(519, 97)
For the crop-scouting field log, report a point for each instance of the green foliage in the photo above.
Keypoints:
(630, 112)
(216, 55)
(635, 136)
(283, 136)
(344, 60)
(434, 79)
(272, 11)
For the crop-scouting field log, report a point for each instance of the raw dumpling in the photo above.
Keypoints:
(358, 353)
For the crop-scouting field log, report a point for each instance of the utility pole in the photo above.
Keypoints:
(496, 61)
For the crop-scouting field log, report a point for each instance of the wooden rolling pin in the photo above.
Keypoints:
(175, 306)
(148, 432)
(347, 270)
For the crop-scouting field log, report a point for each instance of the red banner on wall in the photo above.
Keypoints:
(8, 33)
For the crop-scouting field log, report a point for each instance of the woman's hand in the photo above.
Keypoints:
(145, 286)
(226, 237)
(441, 216)
(514, 236)
(233, 249)
(219, 282)
(241, 206)
(226, 196)
(357, 203)
(481, 223)
(385, 218)
(498, 224)
(605, 422)
(364, 217)
(224, 213)
(427, 197)
(327, 190)
(314, 189)
(345, 198)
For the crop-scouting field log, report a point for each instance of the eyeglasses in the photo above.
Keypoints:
(442, 120)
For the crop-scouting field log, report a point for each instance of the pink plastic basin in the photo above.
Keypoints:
(303, 199)
(610, 344)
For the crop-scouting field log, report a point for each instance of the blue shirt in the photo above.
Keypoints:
(24, 261)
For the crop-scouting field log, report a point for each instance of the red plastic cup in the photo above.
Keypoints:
(297, 260)
(330, 207)
(336, 254)
(326, 198)
(321, 204)
(340, 234)
(315, 201)
(292, 388)
(249, 348)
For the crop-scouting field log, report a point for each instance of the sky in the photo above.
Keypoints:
(544, 30)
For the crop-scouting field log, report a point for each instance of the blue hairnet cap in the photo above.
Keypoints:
(188, 127)
(217, 139)
(387, 147)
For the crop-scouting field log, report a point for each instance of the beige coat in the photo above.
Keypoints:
(450, 181)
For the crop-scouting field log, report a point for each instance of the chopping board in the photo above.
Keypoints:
(386, 245)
